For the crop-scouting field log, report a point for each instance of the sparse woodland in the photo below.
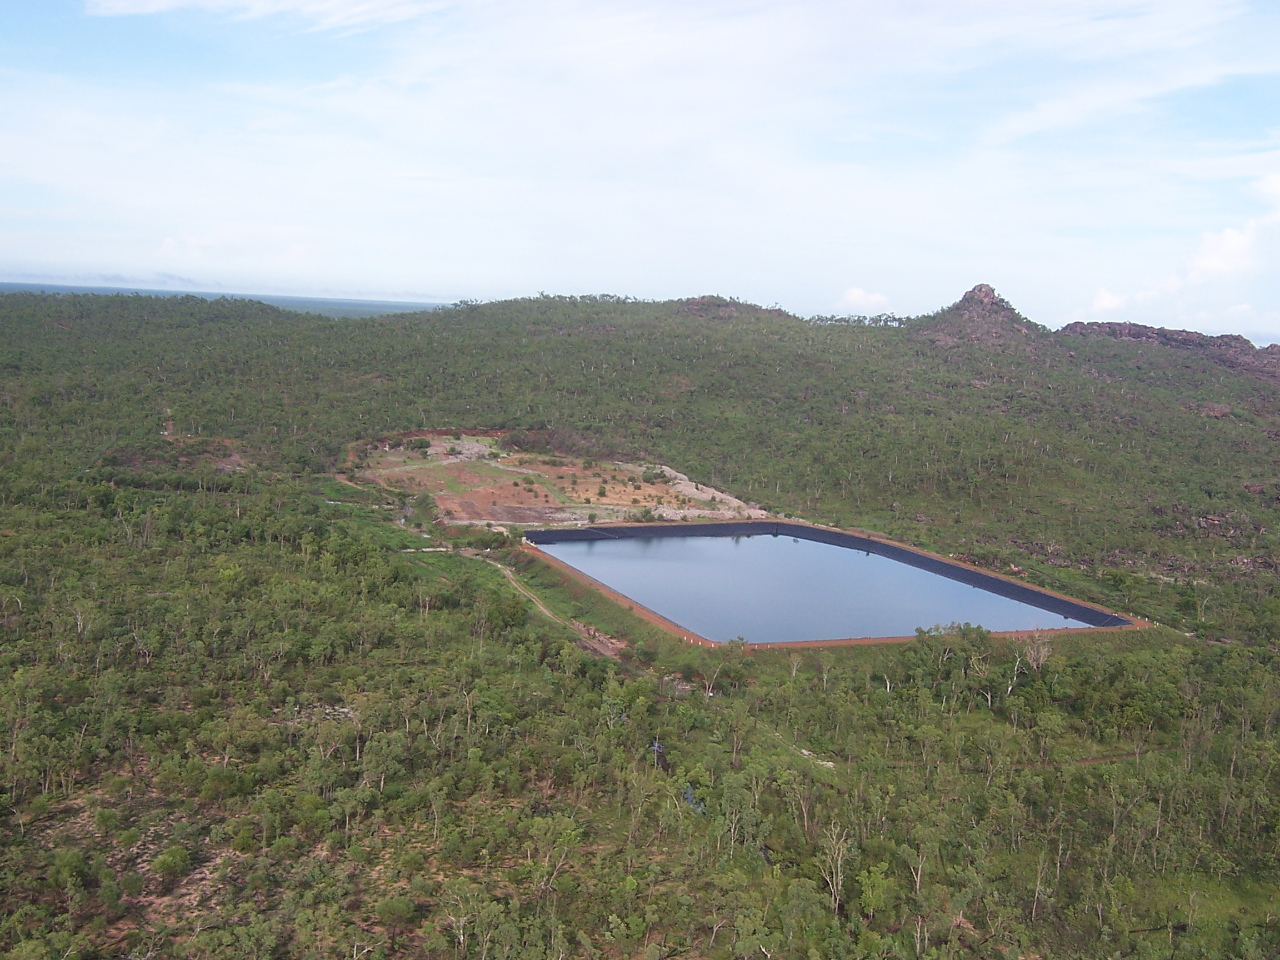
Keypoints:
(237, 721)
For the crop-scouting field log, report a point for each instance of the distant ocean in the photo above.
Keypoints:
(324, 306)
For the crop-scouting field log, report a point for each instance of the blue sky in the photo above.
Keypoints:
(1093, 159)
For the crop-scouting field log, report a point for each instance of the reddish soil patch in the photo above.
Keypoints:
(473, 483)
(601, 644)
(476, 507)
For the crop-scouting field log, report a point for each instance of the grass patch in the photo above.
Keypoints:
(343, 493)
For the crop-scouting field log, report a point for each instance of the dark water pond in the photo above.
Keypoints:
(780, 589)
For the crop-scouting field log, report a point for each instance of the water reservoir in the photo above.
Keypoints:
(787, 583)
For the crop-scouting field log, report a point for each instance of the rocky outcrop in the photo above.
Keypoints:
(1172, 338)
(1229, 350)
(721, 308)
(984, 298)
(980, 316)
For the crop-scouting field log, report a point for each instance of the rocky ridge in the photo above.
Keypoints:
(1230, 350)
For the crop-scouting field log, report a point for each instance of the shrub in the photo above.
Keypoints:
(173, 862)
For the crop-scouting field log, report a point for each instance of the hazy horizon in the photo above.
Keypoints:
(361, 306)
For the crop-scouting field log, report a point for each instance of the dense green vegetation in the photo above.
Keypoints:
(1087, 463)
(239, 722)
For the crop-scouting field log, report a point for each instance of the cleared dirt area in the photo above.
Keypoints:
(220, 453)
(473, 480)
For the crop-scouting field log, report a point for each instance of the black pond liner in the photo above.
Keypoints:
(754, 528)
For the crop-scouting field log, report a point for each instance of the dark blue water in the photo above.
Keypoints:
(777, 589)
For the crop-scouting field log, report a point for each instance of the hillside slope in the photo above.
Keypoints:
(244, 714)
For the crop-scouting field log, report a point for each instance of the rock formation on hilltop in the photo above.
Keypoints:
(980, 316)
(1229, 350)
(983, 297)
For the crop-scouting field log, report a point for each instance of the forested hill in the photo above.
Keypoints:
(240, 719)
(1135, 472)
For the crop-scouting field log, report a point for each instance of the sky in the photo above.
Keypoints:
(1091, 159)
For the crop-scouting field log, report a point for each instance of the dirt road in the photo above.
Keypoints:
(589, 638)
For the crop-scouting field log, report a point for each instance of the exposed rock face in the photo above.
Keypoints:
(984, 294)
(1229, 350)
(711, 308)
(980, 316)
(1173, 338)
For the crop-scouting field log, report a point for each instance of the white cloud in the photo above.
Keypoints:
(1106, 300)
(855, 298)
(1225, 252)
(1269, 186)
